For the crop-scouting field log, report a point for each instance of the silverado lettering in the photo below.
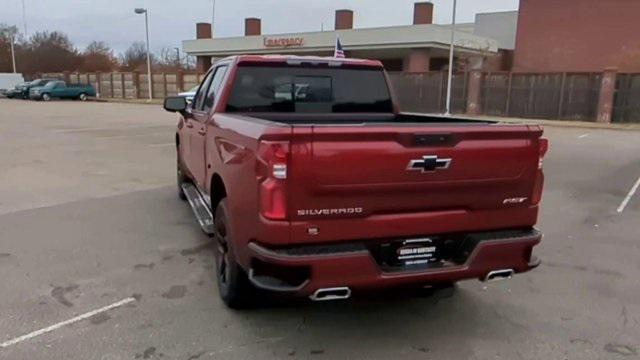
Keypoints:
(340, 211)
(272, 148)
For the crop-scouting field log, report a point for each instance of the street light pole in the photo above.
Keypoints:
(451, 45)
(146, 24)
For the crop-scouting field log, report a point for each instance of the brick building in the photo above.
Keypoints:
(418, 47)
(578, 35)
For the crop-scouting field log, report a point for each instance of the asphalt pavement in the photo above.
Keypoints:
(99, 259)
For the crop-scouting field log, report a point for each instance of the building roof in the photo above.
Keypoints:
(295, 59)
(381, 38)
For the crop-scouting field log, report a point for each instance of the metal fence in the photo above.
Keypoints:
(129, 85)
(626, 106)
(426, 92)
(569, 96)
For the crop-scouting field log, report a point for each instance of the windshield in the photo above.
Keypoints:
(39, 82)
(309, 90)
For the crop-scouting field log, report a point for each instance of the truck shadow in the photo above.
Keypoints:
(398, 322)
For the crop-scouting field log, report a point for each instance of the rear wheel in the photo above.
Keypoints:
(233, 284)
(46, 97)
(82, 97)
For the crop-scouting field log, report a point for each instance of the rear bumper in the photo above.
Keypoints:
(358, 269)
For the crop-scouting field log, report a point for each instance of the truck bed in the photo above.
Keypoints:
(364, 118)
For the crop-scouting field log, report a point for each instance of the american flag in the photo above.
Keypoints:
(338, 52)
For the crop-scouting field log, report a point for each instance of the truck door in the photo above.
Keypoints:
(198, 139)
(193, 121)
(57, 91)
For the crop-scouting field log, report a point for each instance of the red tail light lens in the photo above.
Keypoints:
(539, 181)
(544, 147)
(272, 157)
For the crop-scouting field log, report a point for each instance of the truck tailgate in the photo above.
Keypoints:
(362, 171)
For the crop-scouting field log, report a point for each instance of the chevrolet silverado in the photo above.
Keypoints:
(313, 183)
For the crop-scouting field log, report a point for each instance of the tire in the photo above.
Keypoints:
(82, 97)
(233, 284)
(45, 97)
(181, 178)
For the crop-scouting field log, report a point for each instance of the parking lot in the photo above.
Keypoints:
(101, 260)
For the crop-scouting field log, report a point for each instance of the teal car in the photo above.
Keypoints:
(61, 90)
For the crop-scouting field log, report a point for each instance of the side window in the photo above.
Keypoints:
(216, 83)
(202, 91)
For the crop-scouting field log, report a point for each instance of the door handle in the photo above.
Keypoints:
(189, 124)
(202, 132)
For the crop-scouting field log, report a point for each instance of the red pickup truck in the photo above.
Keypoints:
(312, 182)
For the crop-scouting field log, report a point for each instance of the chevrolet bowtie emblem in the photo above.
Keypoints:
(429, 163)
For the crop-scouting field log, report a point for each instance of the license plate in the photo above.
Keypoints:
(412, 252)
(417, 251)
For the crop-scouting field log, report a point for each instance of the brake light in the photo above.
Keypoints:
(272, 158)
(543, 147)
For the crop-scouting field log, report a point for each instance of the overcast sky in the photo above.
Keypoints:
(171, 21)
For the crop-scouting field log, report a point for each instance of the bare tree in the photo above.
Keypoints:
(135, 57)
(50, 52)
(98, 56)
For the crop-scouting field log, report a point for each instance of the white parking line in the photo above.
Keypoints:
(135, 135)
(128, 128)
(64, 323)
(629, 196)
(583, 136)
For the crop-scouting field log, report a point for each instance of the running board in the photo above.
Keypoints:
(199, 207)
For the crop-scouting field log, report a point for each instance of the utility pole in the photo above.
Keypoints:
(13, 53)
(451, 45)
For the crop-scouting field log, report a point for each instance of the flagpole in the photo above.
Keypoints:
(450, 77)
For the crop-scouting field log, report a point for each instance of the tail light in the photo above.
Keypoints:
(272, 162)
(543, 148)
(539, 181)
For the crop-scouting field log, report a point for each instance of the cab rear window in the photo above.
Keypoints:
(309, 90)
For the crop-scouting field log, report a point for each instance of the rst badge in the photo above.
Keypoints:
(429, 163)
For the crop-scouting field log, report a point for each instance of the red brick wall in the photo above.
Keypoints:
(578, 35)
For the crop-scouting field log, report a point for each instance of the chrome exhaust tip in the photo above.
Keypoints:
(327, 294)
(497, 275)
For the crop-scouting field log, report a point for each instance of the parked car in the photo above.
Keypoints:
(24, 91)
(189, 94)
(16, 92)
(60, 89)
(314, 184)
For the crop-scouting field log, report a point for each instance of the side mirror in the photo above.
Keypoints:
(175, 104)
